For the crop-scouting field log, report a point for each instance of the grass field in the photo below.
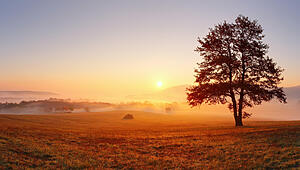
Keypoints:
(150, 141)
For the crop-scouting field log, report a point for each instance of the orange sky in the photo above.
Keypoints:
(111, 50)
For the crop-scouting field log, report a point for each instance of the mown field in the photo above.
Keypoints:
(150, 141)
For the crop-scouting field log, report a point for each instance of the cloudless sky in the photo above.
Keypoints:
(110, 49)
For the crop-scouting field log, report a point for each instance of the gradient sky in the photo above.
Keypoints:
(110, 49)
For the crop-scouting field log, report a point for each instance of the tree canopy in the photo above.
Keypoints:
(235, 69)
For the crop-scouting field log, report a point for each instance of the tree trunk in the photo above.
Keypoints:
(238, 121)
(232, 95)
(240, 114)
(241, 100)
(235, 114)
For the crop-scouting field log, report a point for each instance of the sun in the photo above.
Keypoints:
(159, 84)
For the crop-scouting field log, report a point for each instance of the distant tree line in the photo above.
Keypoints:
(50, 106)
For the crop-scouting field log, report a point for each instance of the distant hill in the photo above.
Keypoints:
(293, 92)
(18, 96)
(26, 93)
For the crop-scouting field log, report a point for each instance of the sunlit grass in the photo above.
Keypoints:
(105, 141)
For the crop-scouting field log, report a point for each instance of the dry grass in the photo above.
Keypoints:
(104, 141)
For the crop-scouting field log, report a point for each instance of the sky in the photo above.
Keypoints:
(109, 49)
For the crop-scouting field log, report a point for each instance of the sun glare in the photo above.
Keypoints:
(159, 84)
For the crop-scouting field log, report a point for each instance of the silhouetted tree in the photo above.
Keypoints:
(235, 69)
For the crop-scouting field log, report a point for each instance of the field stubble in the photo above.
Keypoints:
(152, 141)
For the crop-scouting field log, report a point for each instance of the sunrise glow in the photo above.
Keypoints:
(159, 84)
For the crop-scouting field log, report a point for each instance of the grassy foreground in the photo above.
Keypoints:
(151, 141)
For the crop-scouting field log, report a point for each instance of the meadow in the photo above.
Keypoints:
(151, 141)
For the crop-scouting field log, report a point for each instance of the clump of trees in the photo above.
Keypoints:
(235, 69)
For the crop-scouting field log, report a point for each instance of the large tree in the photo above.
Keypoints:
(235, 69)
